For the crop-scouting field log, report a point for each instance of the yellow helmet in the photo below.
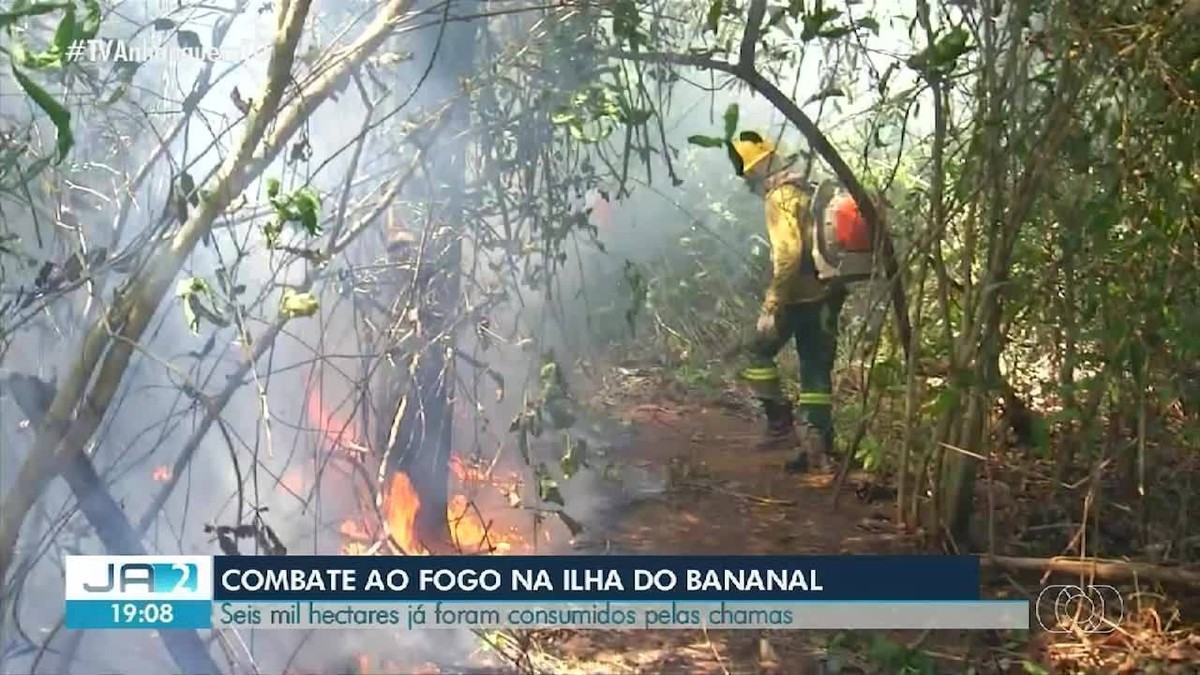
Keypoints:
(748, 150)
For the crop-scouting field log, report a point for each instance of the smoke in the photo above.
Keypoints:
(264, 456)
(158, 409)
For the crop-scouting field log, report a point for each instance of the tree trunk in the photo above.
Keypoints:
(423, 447)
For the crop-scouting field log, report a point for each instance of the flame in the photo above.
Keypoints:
(400, 509)
(352, 530)
(338, 433)
(355, 548)
(161, 474)
(401, 503)
(361, 534)
(468, 530)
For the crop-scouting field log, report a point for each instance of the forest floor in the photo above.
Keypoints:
(724, 497)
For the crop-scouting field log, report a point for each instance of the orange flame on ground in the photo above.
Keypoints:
(471, 533)
(401, 503)
(400, 508)
(467, 528)
(353, 530)
(161, 474)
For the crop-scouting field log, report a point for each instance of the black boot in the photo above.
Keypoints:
(780, 432)
(815, 455)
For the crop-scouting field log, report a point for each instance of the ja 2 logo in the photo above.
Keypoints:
(155, 578)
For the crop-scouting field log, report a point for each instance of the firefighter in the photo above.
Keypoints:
(797, 305)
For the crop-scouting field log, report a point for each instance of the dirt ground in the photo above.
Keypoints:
(725, 497)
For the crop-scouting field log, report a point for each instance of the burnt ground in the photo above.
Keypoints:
(721, 496)
(724, 497)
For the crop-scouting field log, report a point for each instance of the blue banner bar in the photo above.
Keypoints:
(595, 578)
(138, 614)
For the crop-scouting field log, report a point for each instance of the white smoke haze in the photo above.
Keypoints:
(267, 425)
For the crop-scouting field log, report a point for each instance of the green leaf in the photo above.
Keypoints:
(548, 490)
(298, 304)
(731, 120)
(198, 310)
(835, 32)
(828, 92)
(35, 61)
(565, 116)
(870, 23)
(713, 20)
(91, 20)
(814, 24)
(189, 291)
(625, 22)
(65, 34)
(302, 207)
(190, 316)
(574, 458)
(308, 204)
(59, 115)
(706, 141)
(945, 401)
(941, 58)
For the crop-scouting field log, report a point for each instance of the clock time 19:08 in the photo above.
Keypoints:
(127, 612)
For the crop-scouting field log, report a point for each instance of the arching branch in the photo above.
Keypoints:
(746, 71)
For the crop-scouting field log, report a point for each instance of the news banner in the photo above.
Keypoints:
(525, 592)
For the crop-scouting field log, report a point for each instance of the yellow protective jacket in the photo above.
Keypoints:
(789, 217)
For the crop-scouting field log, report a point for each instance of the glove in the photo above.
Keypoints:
(766, 325)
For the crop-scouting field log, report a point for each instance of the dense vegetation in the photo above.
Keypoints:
(424, 230)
